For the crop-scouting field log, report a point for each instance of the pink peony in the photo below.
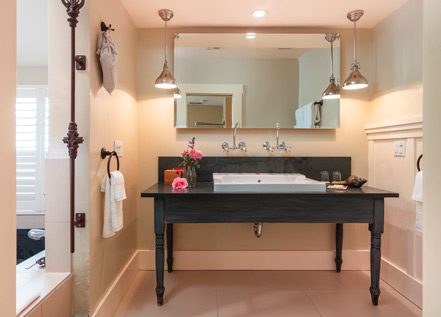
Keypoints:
(195, 154)
(179, 183)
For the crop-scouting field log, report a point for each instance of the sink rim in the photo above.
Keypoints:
(284, 182)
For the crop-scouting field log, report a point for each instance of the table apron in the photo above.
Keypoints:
(272, 208)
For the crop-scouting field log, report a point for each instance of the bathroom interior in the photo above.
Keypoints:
(251, 89)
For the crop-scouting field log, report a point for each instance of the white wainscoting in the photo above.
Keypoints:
(402, 244)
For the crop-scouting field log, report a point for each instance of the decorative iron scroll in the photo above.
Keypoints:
(73, 139)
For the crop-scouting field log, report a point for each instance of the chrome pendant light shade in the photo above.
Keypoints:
(333, 90)
(165, 80)
(355, 79)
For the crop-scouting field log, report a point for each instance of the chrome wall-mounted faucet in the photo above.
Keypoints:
(239, 147)
(279, 146)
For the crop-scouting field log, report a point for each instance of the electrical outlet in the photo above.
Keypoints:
(400, 148)
(118, 147)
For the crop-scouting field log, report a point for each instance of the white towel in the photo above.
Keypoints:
(317, 117)
(115, 193)
(108, 58)
(417, 195)
(304, 116)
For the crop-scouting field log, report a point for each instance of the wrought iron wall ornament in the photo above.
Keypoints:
(73, 139)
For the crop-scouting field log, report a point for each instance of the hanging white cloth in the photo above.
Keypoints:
(417, 195)
(317, 115)
(106, 49)
(114, 194)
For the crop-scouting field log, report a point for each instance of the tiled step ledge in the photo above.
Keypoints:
(36, 280)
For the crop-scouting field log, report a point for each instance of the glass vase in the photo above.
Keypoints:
(190, 175)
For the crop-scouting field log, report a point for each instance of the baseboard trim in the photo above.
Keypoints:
(112, 298)
(405, 284)
(258, 260)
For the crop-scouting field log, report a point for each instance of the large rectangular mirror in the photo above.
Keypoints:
(257, 80)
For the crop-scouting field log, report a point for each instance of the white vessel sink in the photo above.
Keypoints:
(265, 183)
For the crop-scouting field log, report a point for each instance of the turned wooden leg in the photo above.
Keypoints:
(159, 234)
(338, 246)
(376, 229)
(170, 247)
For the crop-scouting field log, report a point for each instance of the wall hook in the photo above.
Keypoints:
(104, 27)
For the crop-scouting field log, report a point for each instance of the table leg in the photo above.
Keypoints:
(338, 246)
(159, 234)
(376, 229)
(170, 247)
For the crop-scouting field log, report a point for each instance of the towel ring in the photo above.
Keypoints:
(418, 162)
(104, 154)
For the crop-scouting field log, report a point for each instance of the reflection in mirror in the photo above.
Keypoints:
(209, 111)
(272, 78)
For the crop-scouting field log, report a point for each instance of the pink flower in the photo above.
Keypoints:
(195, 154)
(179, 183)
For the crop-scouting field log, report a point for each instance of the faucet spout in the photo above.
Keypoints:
(280, 146)
(236, 125)
(241, 146)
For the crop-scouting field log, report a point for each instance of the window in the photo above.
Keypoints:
(32, 133)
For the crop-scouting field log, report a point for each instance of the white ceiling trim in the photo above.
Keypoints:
(280, 13)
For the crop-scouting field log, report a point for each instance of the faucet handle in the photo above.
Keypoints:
(242, 146)
(287, 148)
(266, 146)
(225, 146)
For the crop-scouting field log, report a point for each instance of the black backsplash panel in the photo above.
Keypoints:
(309, 166)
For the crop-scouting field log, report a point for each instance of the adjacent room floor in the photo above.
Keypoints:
(263, 293)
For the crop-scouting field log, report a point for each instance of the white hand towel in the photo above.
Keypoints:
(108, 57)
(317, 115)
(114, 195)
(118, 193)
(417, 195)
(107, 217)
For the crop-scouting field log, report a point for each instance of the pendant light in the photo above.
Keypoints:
(165, 79)
(333, 90)
(355, 79)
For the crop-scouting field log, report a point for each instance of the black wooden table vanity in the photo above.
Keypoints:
(203, 205)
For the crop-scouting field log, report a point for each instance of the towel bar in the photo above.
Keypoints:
(418, 162)
(110, 154)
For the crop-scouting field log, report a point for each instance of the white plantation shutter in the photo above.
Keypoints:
(31, 144)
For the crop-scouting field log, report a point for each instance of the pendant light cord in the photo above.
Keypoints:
(355, 43)
(332, 59)
(165, 41)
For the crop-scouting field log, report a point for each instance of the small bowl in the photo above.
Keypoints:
(357, 183)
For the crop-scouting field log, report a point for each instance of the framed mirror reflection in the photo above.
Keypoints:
(258, 80)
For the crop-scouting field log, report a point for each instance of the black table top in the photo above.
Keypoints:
(206, 188)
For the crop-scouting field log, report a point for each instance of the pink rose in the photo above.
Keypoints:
(179, 183)
(195, 154)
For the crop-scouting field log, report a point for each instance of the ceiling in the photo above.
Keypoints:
(280, 13)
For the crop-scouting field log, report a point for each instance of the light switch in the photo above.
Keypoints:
(118, 147)
(400, 148)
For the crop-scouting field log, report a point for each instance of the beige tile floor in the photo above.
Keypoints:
(262, 293)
